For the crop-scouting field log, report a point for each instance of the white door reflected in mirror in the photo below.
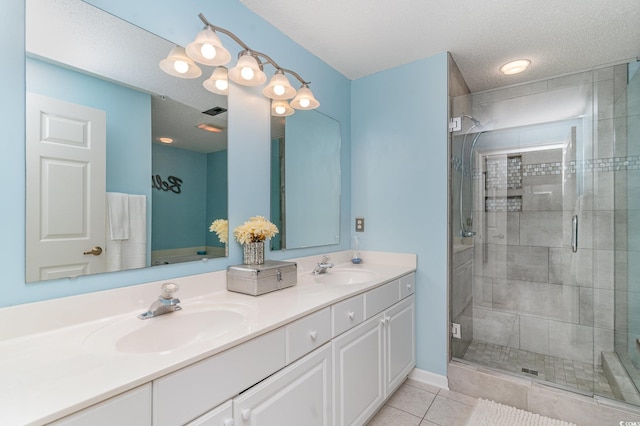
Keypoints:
(66, 186)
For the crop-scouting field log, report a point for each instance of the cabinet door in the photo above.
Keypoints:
(132, 408)
(298, 395)
(400, 342)
(358, 373)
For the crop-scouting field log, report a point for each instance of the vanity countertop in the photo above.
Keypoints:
(50, 368)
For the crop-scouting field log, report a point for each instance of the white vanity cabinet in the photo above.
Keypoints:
(334, 366)
(372, 359)
(132, 408)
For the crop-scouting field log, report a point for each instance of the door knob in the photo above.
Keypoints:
(96, 251)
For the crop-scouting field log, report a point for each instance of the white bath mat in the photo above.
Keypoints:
(489, 413)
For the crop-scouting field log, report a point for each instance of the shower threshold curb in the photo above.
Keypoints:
(527, 394)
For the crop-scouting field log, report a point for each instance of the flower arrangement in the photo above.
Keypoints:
(256, 229)
(221, 228)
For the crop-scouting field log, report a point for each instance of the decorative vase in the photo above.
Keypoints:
(253, 253)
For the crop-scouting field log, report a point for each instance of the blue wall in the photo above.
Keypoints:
(217, 195)
(399, 184)
(179, 220)
(249, 130)
(183, 220)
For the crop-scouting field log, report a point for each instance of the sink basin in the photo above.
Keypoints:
(194, 323)
(346, 276)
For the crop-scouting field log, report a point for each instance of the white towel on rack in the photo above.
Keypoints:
(118, 215)
(134, 250)
(131, 252)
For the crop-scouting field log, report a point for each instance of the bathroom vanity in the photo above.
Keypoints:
(329, 350)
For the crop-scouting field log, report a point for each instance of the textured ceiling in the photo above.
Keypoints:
(361, 37)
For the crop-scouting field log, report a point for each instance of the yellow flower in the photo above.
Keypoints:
(256, 229)
(221, 228)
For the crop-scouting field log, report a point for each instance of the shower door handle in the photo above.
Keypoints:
(574, 233)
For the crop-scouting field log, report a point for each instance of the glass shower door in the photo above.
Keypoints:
(623, 364)
(533, 274)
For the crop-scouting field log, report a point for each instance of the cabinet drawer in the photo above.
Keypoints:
(379, 299)
(407, 285)
(308, 333)
(347, 314)
(129, 408)
(204, 385)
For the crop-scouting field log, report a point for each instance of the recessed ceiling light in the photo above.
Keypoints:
(209, 127)
(165, 140)
(515, 67)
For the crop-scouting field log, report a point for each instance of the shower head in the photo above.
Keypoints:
(476, 122)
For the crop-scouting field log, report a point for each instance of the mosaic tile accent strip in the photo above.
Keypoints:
(578, 375)
(496, 177)
(612, 164)
(514, 172)
(503, 204)
(542, 169)
(503, 174)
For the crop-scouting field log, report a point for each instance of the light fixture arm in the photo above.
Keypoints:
(235, 38)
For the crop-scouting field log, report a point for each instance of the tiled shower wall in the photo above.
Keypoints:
(530, 291)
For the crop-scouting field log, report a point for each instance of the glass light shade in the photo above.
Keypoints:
(305, 99)
(279, 87)
(218, 82)
(515, 67)
(207, 49)
(178, 64)
(281, 108)
(247, 72)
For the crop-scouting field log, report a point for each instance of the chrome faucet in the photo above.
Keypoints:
(322, 266)
(165, 304)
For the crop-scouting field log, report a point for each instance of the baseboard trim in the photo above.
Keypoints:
(429, 378)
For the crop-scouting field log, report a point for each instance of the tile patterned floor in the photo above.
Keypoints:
(419, 404)
(572, 374)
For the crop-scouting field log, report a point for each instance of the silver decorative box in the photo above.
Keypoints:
(257, 279)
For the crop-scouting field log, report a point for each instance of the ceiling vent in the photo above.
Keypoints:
(215, 111)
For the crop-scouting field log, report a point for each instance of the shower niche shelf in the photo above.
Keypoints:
(503, 183)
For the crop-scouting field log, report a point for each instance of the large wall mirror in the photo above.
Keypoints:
(305, 180)
(104, 192)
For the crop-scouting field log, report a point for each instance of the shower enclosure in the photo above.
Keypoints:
(545, 206)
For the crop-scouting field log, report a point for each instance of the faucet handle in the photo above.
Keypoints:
(325, 259)
(168, 289)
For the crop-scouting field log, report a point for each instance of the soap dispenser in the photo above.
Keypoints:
(355, 259)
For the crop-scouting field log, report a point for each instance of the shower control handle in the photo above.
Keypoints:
(574, 233)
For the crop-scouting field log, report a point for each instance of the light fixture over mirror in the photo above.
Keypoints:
(207, 49)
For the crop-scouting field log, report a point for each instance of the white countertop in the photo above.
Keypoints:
(49, 368)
